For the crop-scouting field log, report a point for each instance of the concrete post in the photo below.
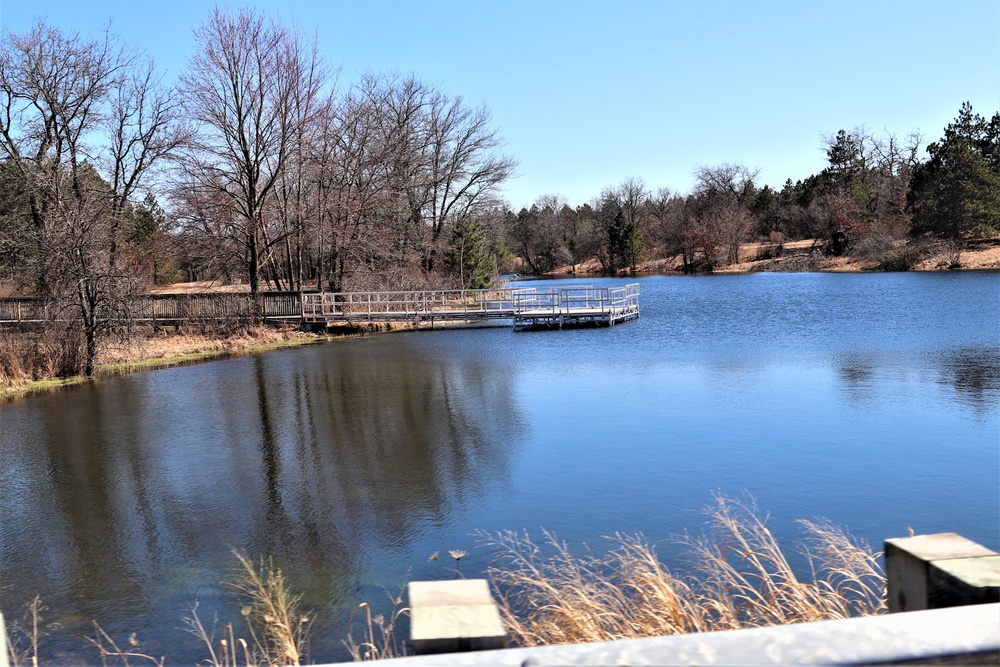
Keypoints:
(940, 570)
(454, 616)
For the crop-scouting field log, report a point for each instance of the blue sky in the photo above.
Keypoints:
(589, 93)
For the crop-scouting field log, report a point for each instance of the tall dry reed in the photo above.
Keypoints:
(739, 578)
(113, 655)
(278, 627)
(379, 640)
(54, 351)
(22, 635)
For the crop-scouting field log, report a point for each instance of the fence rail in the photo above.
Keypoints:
(165, 308)
(478, 304)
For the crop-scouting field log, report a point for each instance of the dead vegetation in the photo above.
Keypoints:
(740, 578)
(28, 357)
(38, 355)
(277, 626)
(378, 637)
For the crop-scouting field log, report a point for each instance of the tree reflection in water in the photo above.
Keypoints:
(136, 490)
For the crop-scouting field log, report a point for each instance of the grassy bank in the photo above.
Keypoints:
(30, 364)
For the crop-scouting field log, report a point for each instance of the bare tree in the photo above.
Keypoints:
(726, 192)
(68, 107)
(731, 180)
(398, 162)
(144, 129)
(297, 197)
(364, 215)
(442, 159)
(465, 167)
(668, 224)
(241, 89)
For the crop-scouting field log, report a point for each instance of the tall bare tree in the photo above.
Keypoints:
(243, 89)
(69, 107)
(725, 193)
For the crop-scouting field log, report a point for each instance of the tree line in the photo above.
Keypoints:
(876, 198)
(258, 165)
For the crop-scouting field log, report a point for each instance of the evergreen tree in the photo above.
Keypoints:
(469, 256)
(626, 245)
(957, 191)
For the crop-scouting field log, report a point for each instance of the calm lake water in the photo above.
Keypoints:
(872, 400)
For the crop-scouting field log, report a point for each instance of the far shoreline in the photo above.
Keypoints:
(805, 256)
(161, 351)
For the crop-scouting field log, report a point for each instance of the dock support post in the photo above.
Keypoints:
(940, 570)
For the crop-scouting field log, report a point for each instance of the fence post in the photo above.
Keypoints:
(940, 570)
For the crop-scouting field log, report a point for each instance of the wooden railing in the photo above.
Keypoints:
(24, 309)
(167, 307)
(217, 306)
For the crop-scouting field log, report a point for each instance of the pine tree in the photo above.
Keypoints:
(469, 256)
(957, 191)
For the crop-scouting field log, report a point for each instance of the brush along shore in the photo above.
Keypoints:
(33, 363)
(808, 256)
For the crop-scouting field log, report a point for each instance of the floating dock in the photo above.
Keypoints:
(527, 308)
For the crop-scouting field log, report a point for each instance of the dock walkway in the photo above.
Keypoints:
(526, 308)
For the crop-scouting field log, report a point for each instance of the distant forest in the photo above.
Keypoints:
(257, 167)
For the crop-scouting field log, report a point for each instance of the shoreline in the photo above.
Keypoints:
(10, 393)
(159, 351)
(804, 257)
(185, 349)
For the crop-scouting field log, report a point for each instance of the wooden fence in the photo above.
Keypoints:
(167, 308)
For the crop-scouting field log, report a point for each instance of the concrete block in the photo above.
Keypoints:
(454, 616)
(908, 566)
(963, 581)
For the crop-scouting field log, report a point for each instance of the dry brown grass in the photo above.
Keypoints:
(30, 361)
(168, 345)
(230, 651)
(39, 355)
(741, 578)
(278, 628)
(379, 639)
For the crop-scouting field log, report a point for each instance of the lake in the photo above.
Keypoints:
(872, 400)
